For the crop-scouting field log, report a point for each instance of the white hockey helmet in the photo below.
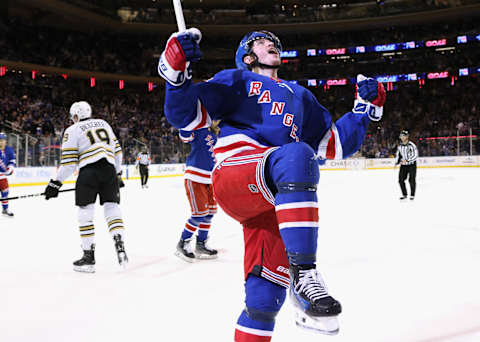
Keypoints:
(81, 109)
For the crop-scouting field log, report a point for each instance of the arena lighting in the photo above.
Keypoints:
(452, 137)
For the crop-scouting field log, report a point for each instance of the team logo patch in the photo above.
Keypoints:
(65, 138)
(253, 188)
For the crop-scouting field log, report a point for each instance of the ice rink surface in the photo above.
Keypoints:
(404, 272)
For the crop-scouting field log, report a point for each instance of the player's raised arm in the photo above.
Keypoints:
(190, 106)
(346, 135)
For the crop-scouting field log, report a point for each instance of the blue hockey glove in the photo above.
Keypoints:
(370, 98)
(182, 48)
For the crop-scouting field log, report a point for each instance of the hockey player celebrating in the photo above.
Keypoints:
(91, 145)
(198, 186)
(7, 165)
(272, 133)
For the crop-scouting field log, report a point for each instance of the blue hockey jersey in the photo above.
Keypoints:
(258, 111)
(7, 162)
(201, 159)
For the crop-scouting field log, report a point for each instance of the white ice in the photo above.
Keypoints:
(404, 272)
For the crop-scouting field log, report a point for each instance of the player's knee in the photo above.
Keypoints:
(111, 209)
(263, 299)
(294, 163)
(86, 213)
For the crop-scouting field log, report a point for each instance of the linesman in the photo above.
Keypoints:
(406, 156)
(142, 162)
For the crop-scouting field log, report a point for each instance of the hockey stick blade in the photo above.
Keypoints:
(177, 6)
(32, 195)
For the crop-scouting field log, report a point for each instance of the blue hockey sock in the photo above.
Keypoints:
(4, 203)
(292, 171)
(204, 228)
(263, 301)
(190, 228)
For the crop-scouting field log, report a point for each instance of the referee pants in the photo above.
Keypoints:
(143, 174)
(409, 171)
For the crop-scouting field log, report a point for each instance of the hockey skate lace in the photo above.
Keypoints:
(312, 285)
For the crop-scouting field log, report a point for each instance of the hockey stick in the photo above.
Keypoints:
(31, 195)
(177, 6)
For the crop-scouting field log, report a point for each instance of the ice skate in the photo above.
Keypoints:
(403, 198)
(87, 262)
(314, 308)
(6, 212)
(120, 248)
(203, 251)
(412, 198)
(184, 250)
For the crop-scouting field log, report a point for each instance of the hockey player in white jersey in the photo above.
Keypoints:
(91, 145)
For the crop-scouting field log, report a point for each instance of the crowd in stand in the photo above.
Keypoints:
(125, 54)
(40, 107)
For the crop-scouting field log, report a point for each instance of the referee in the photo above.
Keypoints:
(143, 161)
(406, 156)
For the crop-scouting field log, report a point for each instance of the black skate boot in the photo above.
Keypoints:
(7, 213)
(403, 198)
(87, 262)
(203, 251)
(120, 248)
(184, 250)
(315, 309)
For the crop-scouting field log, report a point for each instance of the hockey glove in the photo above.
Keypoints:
(52, 188)
(370, 98)
(182, 48)
(121, 184)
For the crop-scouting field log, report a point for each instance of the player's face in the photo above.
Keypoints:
(3, 143)
(404, 138)
(266, 52)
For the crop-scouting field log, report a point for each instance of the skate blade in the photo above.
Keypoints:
(206, 256)
(322, 325)
(184, 258)
(84, 269)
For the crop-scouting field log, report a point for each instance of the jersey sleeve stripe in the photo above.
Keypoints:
(330, 147)
(201, 120)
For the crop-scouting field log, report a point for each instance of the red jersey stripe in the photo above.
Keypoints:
(297, 215)
(241, 336)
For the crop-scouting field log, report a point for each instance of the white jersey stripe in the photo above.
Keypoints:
(295, 205)
(299, 224)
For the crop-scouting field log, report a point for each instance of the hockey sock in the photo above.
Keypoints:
(4, 195)
(190, 228)
(87, 229)
(204, 228)
(113, 216)
(293, 171)
(263, 301)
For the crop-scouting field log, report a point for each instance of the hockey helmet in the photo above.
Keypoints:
(245, 46)
(3, 136)
(404, 132)
(81, 109)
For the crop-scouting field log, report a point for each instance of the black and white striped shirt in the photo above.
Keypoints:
(407, 152)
